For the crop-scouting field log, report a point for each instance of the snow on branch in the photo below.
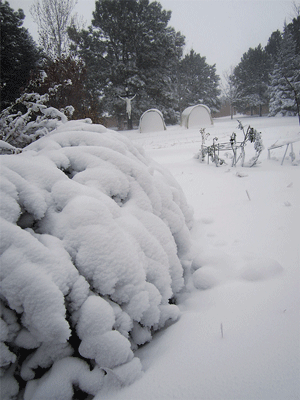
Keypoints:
(29, 118)
(95, 243)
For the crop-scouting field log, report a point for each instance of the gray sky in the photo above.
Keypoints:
(222, 31)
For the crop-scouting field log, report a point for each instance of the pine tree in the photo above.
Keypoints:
(130, 45)
(199, 82)
(285, 78)
(273, 45)
(19, 54)
(251, 79)
(68, 76)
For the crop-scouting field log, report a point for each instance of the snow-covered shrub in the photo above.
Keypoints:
(29, 118)
(94, 245)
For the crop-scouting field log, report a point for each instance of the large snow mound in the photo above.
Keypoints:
(95, 246)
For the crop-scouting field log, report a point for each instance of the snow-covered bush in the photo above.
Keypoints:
(95, 247)
(29, 118)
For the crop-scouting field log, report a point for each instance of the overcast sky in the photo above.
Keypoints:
(222, 31)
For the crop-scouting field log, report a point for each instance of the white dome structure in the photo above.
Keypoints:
(198, 116)
(152, 120)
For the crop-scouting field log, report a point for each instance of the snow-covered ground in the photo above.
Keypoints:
(97, 237)
(238, 336)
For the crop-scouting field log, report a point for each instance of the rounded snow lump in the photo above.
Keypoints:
(257, 269)
(205, 278)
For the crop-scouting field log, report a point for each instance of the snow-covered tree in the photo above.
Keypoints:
(251, 79)
(95, 246)
(53, 18)
(273, 45)
(29, 118)
(131, 45)
(285, 77)
(199, 81)
(19, 54)
(68, 76)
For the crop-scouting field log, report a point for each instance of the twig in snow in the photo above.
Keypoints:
(248, 195)
(222, 333)
(241, 175)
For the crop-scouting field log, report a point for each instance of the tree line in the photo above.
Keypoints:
(129, 48)
(269, 76)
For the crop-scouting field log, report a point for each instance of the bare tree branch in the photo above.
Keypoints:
(53, 18)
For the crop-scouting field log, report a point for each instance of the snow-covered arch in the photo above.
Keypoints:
(198, 116)
(152, 121)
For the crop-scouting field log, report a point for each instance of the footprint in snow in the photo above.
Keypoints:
(220, 243)
(207, 220)
(210, 271)
(258, 269)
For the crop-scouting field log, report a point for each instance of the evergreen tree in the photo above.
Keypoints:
(199, 82)
(65, 80)
(130, 45)
(294, 28)
(273, 45)
(251, 79)
(285, 77)
(19, 54)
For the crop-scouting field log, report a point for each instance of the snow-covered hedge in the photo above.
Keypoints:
(94, 246)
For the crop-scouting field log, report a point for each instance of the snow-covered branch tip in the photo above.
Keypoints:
(28, 119)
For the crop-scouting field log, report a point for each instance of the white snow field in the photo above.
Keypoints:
(85, 211)
(238, 336)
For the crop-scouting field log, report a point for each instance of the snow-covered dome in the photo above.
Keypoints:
(198, 116)
(94, 244)
(152, 121)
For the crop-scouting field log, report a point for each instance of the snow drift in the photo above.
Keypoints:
(94, 247)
